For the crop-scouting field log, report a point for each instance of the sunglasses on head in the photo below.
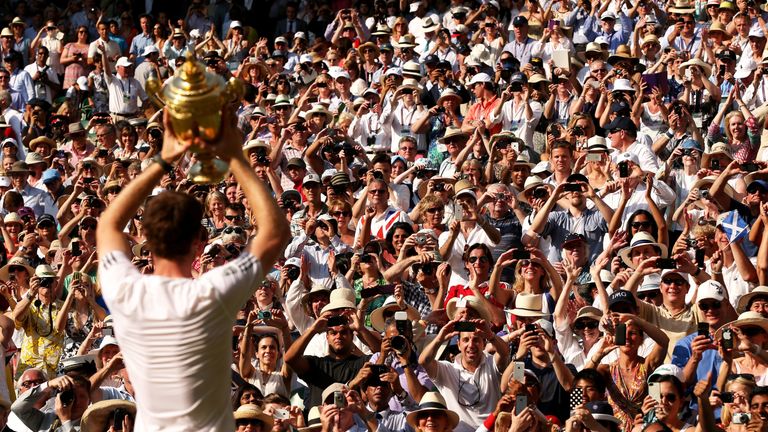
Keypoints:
(673, 281)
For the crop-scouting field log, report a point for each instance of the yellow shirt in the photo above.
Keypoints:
(675, 327)
(43, 345)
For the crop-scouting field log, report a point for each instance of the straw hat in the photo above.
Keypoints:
(15, 261)
(748, 318)
(341, 298)
(707, 182)
(451, 308)
(433, 401)
(42, 140)
(429, 25)
(705, 68)
(405, 41)
(683, 7)
(390, 304)
(449, 94)
(719, 148)
(528, 305)
(363, 47)
(717, 27)
(254, 412)
(313, 420)
(531, 183)
(623, 53)
(451, 132)
(319, 109)
(641, 239)
(746, 298)
(12, 217)
(98, 416)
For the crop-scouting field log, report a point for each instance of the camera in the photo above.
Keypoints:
(293, 273)
(440, 109)
(678, 110)
(578, 131)
(420, 239)
(439, 187)
(46, 282)
(378, 175)
(741, 418)
(540, 193)
(516, 87)
(67, 397)
(399, 344)
(155, 133)
(265, 315)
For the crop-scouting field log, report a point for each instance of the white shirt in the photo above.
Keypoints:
(648, 160)
(112, 51)
(124, 94)
(458, 273)
(459, 387)
(175, 336)
(513, 118)
(41, 90)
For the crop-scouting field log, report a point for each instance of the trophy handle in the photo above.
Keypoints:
(153, 89)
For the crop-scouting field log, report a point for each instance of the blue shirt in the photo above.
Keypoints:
(710, 362)
(139, 42)
(593, 29)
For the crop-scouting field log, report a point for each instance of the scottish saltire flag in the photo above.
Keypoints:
(734, 226)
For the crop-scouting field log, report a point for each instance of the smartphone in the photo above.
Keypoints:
(518, 372)
(623, 170)
(727, 341)
(107, 331)
(594, 157)
(338, 320)
(700, 258)
(666, 263)
(551, 24)
(654, 391)
(530, 328)
(377, 370)
(521, 254)
(726, 397)
(714, 165)
(721, 70)
(369, 292)
(577, 398)
(750, 167)
(281, 414)
(572, 187)
(620, 334)
(521, 401)
(703, 329)
(76, 249)
(339, 399)
(464, 326)
(117, 419)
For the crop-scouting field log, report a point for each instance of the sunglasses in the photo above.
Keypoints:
(686, 22)
(233, 217)
(236, 230)
(527, 263)
(376, 191)
(590, 324)
(16, 269)
(324, 227)
(748, 377)
(710, 306)
(427, 269)
(474, 259)
(641, 224)
(648, 295)
(339, 214)
(673, 281)
(671, 397)
(435, 209)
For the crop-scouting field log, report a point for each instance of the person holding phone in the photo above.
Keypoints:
(627, 375)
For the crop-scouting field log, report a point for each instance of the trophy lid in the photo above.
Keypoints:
(191, 82)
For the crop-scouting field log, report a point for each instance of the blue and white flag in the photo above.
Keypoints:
(734, 226)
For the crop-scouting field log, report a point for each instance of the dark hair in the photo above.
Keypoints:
(593, 376)
(556, 144)
(482, 246)
(758, 391)
(672, 379)
(381, 158)
(405, 226)
(250, 93)
(244, 388)
(171, 222)
(654, 228)
(276, 398)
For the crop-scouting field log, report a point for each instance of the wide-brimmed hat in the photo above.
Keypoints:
(532, 182)
(75, 128)
(748, 318)
(719, 148)
(432, 401)
(683, 7)
(707, 182)
(12, 217)
(405, 41)
(341, 298)
(6, 32)
(451, 308)
(317, 289)
(282, 100)
(590, 312)
(19, 167)
(313, 421)
(594, 47)
(319, 109)
(263, 69)
(254, 412)
(505, 135)
(451, 132)
(641, 239)
(746, 298)
(41, 141)
(15, 261)
(18, 21)
(390, 304)
(366, 45)
(429, 25)
(706, 69)
(528, 305)
(717, 27)
(623, 53)
(98, 416)
(449, 94)
(34, 158)
(598, 144)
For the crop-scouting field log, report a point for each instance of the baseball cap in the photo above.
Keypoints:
(667, 369)
(621, 296)
(481, 77)
(50, 175)
(622, 123)
(520, 21)
(711, 289)
(46, 218)
(573, 238)
(628, 157)
(311, 178)
(124, 62)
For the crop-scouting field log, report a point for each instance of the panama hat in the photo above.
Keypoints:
(746, 298)
(748, 318)
(341, 298)
(531, 183)
(313, 421)
(319, 109)
(528, 305)
(449, 94)
(390, 304)
(705, 68)
(451, 308)
(366, 45)
(719, 148)
(707, 182)
(623, 53)
(98, 416)
(15, 261)
(254, 412)
(432, 401)
(683, 7)
(641, 239)
(405, 41)
(451, 132)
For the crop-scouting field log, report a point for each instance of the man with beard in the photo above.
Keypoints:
(470, 384)
(339, 322)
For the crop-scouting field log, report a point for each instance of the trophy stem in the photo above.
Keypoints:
(208, 170)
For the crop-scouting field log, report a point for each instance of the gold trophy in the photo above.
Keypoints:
(195, 98)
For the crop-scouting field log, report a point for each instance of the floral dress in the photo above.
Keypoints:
(626, 398)
(75, 337)
(42, 345)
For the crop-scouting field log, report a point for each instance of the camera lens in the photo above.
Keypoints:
(399, 344)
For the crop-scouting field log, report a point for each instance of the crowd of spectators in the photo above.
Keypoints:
(439, 216)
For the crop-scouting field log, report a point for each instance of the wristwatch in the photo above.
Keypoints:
(167, 167)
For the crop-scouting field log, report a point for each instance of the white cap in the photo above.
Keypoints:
(467, 191)
(293, 262)
(622, 84)
(393, 71)
(628, 157)
(5, 181)
(542, 167)
(235, 24)
(337, 72)
(305, 58)
(300, 35)
(667, 369)
(608, 15)
(281, 39)
(710, 290)
(744, 70)
(194, 33)
(149, 49)
(602, 40)
(481, 77)
(756, 32)
(123, 61)
(82, 82)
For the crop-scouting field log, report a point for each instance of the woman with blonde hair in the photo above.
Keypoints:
(534, 275)
(740, 387)
(429, 214)
(342, 212)
(79, 313)
(215, 205)
(236, 46)
(399, 29)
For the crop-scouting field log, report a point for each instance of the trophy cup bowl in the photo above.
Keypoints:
(194, 98)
